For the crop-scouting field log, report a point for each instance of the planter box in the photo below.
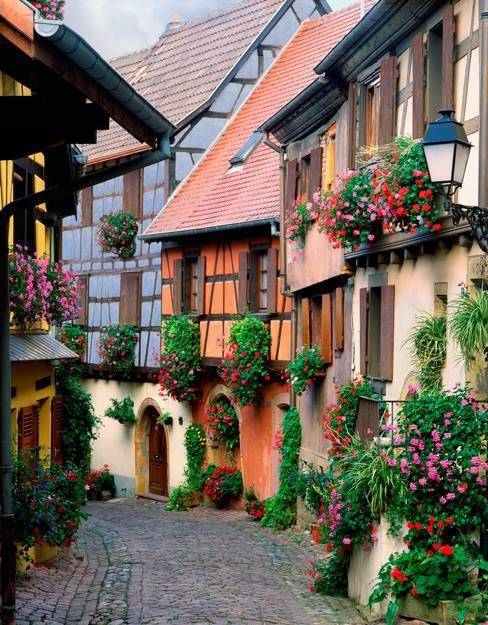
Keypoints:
(446, 613)
(37, 554)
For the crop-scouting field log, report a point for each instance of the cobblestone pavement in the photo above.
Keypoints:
(136, 564)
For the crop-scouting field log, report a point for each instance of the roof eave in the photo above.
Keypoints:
(181, 234)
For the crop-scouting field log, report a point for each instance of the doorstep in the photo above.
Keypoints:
(152, 496)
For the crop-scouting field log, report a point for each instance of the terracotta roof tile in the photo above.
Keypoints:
(213, 194)
(181, 71)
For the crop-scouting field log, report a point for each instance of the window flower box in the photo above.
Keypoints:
(445, 613)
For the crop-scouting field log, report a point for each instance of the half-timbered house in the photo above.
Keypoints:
(198, 74)
(221, 241)
(388, 78)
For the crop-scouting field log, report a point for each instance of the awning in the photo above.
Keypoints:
(29, 347)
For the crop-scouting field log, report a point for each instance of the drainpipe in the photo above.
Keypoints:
(7, 520)
(483, 162)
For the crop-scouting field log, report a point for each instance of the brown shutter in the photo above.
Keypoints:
(83, 300)
(315, 172)
(57, 429)
(387, 332)
(272, 279)
(28, 428)
(87, 207)
(339, 318)
(291, 182)
(448, 58)
(178, 286)
(243, 289)
(352, 111)
(130, 298)
(388, 90)
(305, 322)
(133, 193)
(418, 104)
(363, 331)
(253, 283)
(201, 263)
(326, 329)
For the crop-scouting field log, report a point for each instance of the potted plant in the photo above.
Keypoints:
(100, 484)
(117, 233)
(116, 347)
(223, 422)
(166, 419)
(306, 367)
(122, 411)
(298, 223)
(222, 484)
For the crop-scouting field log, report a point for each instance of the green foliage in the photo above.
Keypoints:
(48, 504)
(222, 420)
(222, 484)
(244, 365)
(80, 423)
(116, 234)
(122, 411)
(329, 576)
(74, 337)
(428, 342)
(298, 223)
(304, 369)
(166, 419)
(281, 509)
(195, 445)
(313, 482)
(468, 324)
(180, 364)
(117, 347)
(180, 498)
(98, 480)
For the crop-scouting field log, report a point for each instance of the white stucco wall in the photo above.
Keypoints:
(115, 443)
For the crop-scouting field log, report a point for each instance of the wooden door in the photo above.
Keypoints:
(158, 461)
(57, 430)
(28, 428)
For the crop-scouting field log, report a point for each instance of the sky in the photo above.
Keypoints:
(115, 27)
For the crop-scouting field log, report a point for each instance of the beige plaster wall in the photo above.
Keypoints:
(115, 444)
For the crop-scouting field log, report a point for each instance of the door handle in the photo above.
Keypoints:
(156, 457)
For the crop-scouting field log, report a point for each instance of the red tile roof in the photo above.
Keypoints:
(181, 71)
(213, 195)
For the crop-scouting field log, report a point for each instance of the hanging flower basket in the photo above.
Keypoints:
(74, 337)
(297, 225)
(50, 9)
(117, 234)
(222, 422)
(117, 347)
(306, 367)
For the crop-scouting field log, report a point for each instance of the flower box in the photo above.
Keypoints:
(446, 613)
(38, 554)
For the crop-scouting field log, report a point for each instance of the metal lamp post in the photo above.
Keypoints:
(446, 149)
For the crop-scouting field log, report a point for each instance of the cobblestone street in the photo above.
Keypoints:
(136, 564)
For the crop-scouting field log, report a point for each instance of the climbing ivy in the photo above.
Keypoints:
(195, 445)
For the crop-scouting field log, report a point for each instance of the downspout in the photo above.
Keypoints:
(285, 291)
(483, 167)
(7, 520)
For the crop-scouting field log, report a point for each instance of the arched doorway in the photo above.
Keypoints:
(151, 441)
(158, 458)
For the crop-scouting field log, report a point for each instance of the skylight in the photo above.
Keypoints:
(241, 156)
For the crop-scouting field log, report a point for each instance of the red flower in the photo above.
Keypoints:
(446, 550)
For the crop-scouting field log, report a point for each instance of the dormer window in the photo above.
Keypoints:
(241, 156)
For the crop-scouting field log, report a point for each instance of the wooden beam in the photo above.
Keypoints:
(33, 112)
(13, 146)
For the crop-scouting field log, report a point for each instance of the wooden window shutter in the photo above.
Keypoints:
(201, 262)
(291, 183)
(326, 328)
(178, 286)
(305, 322)
(352, 112)
(57, 429)
(253, 282)
(130, 298)
(339, 318)
(28, 428)
(387, 331)
(83, 300)
(418, 99)
(388, 94)
(448, 58)
(272, 279)
(363, 331)
(242, 304)
(87, 207)
(315, 174)
(133, 193)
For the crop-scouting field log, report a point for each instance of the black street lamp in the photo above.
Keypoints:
(446, 149)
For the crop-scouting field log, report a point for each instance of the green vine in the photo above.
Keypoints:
(195, 445)
(428, 342)
(281, 510)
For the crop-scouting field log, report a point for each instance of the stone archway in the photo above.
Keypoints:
(215, 453)
(148, 411)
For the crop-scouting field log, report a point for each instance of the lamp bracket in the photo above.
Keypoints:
(477, 218)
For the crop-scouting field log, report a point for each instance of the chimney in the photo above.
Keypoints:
(173, 24)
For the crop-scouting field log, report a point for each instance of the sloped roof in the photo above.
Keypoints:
(213, 195)
(29, 347)
(182, 70)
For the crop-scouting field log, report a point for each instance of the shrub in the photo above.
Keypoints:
(428, 350)
(195, 445)
(180, 499)
(304, 369)
(222, 419)
(48, 504)
(469, 324)
(281, 509)
(223, 483)
(180, 363)
(98, 480)
(122, 411)
(254, 506)
(116, 234)
(244, 365)
(116, 347)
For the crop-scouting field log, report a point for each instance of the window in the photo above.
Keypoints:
(303, 179)
(262, 281)
(24, 220)
(189, 285)
(434, 72)
(328, 164)
(83, 300)
(190, 291)
(130, 298)
(317, 324)
(87, 207)
(440, 299)
(258, 281)
(377, 311)
(372, 104)
(241, 156)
